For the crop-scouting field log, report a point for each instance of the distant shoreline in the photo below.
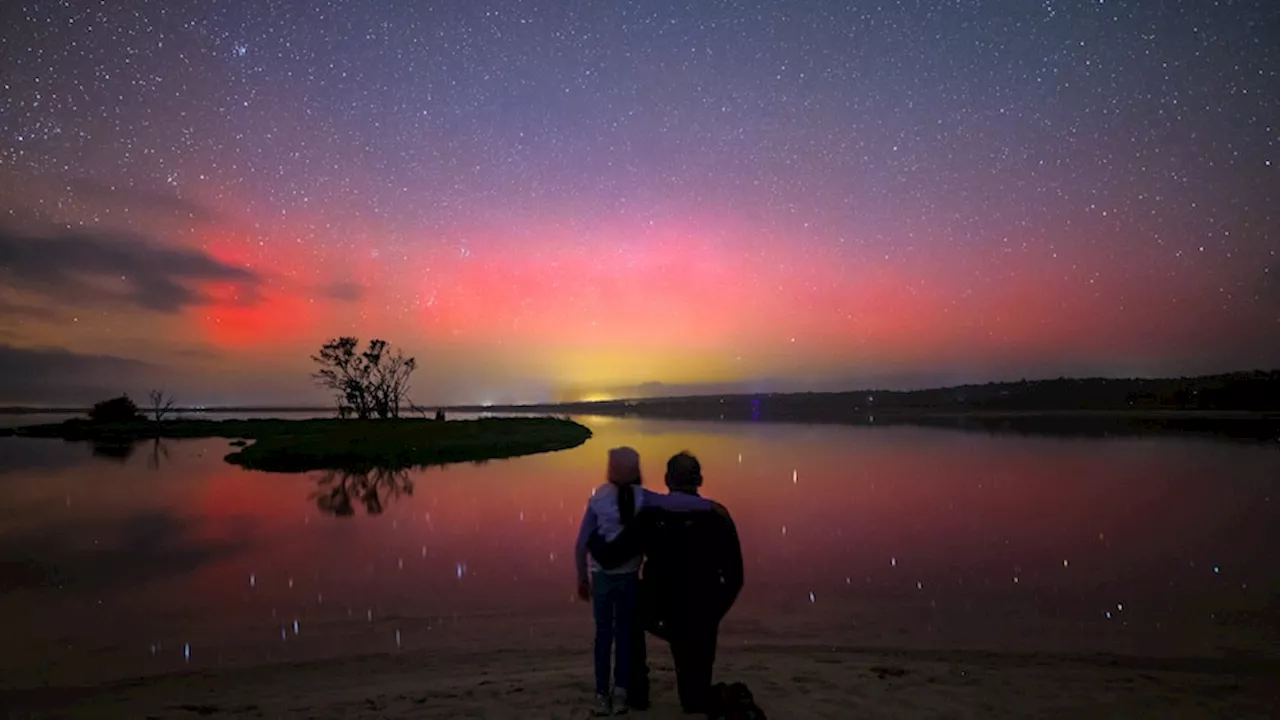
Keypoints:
(1239, 406)
(643, 409)
(1235, 425)
(640, 409)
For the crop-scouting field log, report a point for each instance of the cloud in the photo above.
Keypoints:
(54, 376)
(344, 291)
(14, 309)
(86, 267)
(157, 201)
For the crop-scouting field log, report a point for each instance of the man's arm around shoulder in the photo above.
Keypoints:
(635, 536)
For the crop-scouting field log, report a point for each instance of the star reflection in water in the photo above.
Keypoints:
(935, 526)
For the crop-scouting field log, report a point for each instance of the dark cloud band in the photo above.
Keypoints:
(76, 267)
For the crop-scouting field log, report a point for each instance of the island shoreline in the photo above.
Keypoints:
(294, 446)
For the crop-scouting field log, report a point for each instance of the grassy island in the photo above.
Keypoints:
(330, 444)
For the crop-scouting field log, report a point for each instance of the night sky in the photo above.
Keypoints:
(546, 200)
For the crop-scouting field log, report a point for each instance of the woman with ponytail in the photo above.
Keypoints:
(613, 591)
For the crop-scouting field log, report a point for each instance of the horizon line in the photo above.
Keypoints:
(481, 407)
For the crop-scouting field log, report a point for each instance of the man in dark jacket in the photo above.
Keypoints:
(691, 577)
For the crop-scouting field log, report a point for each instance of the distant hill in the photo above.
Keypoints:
(1256, 391)
(1241, 391)
(1243, 405)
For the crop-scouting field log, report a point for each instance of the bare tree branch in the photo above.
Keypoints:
(161, 405)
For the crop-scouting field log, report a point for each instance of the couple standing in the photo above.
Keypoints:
(692, 572)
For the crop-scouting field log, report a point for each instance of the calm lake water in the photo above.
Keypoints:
(171, 559)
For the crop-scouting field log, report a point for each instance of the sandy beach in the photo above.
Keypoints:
(789, 681)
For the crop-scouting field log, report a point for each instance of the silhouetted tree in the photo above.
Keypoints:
(366, 384)
(391, 373)
(343, 372)
(115, 410)
(161, 405)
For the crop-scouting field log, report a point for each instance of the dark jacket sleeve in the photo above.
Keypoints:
(630, 542)
(730, 560)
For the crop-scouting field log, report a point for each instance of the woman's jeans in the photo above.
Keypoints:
(614, 605)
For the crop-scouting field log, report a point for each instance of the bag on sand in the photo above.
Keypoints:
(734, 702)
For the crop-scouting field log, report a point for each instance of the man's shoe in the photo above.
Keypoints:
(638, 693)
(603, 706)
(734, 702)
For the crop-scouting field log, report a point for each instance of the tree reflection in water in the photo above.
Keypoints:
(337, 491)
(122, 450)
(113, 449)
(159, 454)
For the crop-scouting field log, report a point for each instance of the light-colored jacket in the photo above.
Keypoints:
(602, 516)
(603, 512)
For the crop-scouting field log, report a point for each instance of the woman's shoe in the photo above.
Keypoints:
(619, 701)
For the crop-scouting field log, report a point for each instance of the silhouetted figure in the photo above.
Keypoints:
(612, 591)
(692, 575)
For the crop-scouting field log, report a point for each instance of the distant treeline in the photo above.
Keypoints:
(1257, 391)
(1234, 392)
(1251, 391)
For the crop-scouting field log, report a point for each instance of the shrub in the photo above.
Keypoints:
(117, 409)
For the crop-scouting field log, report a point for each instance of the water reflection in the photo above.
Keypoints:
(338, 491)
(896, 537)
(122, 451)
(111, 554)
(158, 455)
(113, 450)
